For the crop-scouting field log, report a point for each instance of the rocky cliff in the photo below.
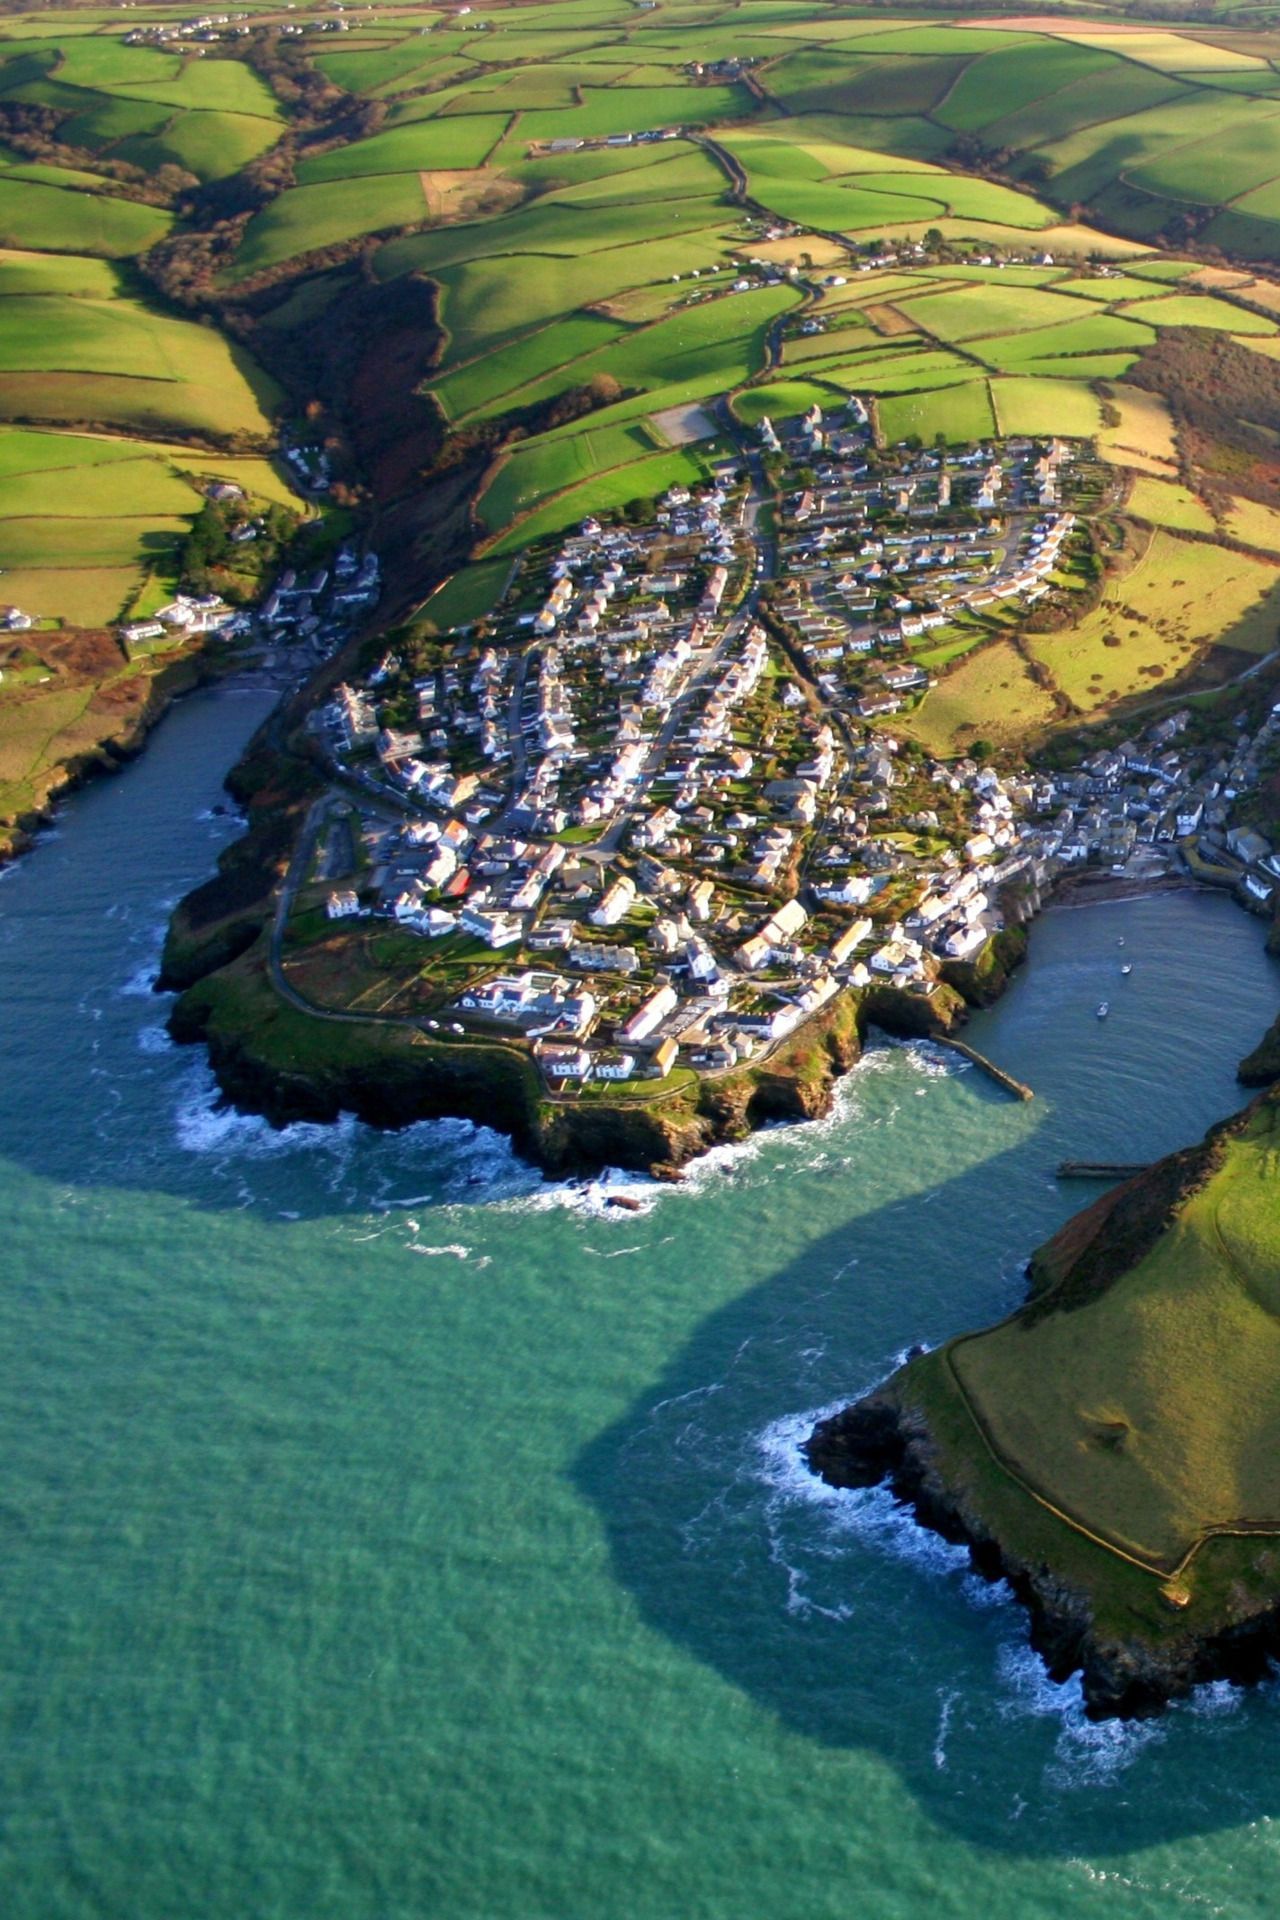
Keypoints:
(272, 1059)
(1138, 1636)
(887, 1437)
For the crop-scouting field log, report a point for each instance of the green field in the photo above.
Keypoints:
(1166, 504)
(1097, 333)
(962, 413)
(1038, 406)
(1157, 619)
(982, 310)
(86, 517)
(531, 473)
(1254, 524)
(782, 400)
(471, 594)
(616, 261)
(424, 144)
(990, 695)
(309, 218)
(87, 359)
(478, 385)
(1147, 1415)
(642, 479)
(38, 216)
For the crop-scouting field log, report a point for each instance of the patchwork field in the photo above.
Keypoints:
(85, 519)
(88, 517)
(628, 215)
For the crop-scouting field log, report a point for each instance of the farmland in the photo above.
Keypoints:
(75, 351)
(1157, 618)
(960, 222)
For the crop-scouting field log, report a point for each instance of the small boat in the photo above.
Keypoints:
(1120, 941)
(1127, 969)
(1103, 1009)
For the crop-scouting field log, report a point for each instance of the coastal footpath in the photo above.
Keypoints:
(1111, 1449)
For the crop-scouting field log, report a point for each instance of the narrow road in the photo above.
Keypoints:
(739, 620)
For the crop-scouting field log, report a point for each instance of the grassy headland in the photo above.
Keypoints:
(1112, 1446)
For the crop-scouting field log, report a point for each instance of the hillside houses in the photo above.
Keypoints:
(623, 830)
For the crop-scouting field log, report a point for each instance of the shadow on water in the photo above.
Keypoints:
(832, 1614)
(855, 1628)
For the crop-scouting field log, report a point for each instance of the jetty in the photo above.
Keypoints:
(1017, 1088)
(1101, 1169)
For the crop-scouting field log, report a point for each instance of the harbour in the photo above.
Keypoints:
(485, 1494)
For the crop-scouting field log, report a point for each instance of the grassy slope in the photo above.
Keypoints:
(1148, 1414)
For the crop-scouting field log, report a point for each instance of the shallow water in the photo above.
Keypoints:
(386, 1533)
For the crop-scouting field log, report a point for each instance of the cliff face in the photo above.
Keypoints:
(125, 726)
(981, 981)
(884, 1438)
(1138, 1638)
(1261, 1068)
(286, 1065)
(1100, 1244)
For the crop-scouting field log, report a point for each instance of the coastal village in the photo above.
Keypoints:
(303, 618)
(664, 806)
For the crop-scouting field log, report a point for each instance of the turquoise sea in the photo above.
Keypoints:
(386, 1534)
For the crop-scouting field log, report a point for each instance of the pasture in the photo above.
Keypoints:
(642, 479)
(37, 216)
(86, 359)
(85, 519)
(989, 695)
(1038, 406)
(469, 595)
(1254, 524)
(1147, 1415)
(546, 467)
(1143, 435)
(1164, 503)
(959, 413)
(1157, 619)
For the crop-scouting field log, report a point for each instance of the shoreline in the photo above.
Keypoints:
(403, 1077)
(116, 751)
(1143, 1627)
(1097, 889)
(390, 1080)
(881, 1441)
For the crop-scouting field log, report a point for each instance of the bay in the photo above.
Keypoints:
(384, 1532)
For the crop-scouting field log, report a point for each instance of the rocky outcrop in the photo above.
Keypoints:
(884, 1438)
(1261, 1068)
(981, 981)
(895, 1435)
(1097, 1246)
(287, 1065)
(123, 738)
